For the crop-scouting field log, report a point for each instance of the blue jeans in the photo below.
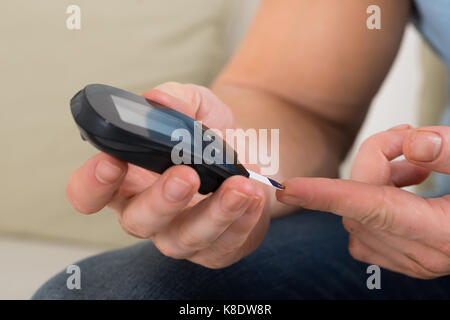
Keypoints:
(304, 256)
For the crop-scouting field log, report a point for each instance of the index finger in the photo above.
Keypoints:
(380, 207)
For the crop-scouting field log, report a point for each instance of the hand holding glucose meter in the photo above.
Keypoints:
(139, 131)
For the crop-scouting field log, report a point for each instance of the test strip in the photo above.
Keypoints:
(265, 180)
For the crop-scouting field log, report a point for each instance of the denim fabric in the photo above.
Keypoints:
(304, 256)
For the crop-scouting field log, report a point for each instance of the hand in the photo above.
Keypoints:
(214, 231)
(388, 226)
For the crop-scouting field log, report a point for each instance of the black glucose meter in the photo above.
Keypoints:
(139, 131)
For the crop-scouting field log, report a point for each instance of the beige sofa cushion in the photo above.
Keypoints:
(129, 44)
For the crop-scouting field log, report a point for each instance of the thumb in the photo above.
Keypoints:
(197, 102)
(429, 147)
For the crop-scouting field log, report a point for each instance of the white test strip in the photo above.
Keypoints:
(265, 180)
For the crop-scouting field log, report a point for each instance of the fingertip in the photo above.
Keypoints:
(179, 182)
(155, 95)
(184, 172)
(291, 200)
(71, 196)
(300, 191)
(77, 199)
(290, 185)
(107, 172)
(91, 186)
(240, 184)
(104, 169)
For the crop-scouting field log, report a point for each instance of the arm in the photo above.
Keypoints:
(388, 226)
(311, 69)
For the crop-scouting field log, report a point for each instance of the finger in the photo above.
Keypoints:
(92, 186)
(429, 147)
(430, 258)
(404, 173)
(195, 101)
(124, 228)
(379, 207)
(372, 163)
(203, 223)
(235, 243)
(153, 209)
(364, 253)
(409, 257)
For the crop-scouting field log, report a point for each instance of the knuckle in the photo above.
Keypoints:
(356, 250)
(351, 225)
(374, 140)
(188, 240)
(445, 249)
(434, 267)
(127, 230)
(372, 217)
(168, 249)
(420, 272)
(205, 97)
(380, 217)
(130, 223)
(215, 264)
(220, 219)
(368, 143)
(422, 267)
(227, 249)
(212, 258)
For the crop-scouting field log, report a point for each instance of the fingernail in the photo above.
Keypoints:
(176, 189)
(107, 172)
(233, 200)
(400, 127)
(424, 146)
(292, 200)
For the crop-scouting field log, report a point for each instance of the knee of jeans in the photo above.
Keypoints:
(137, 272)
(55, 289)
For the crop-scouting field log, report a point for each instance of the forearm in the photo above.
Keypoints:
(307, 79)
(308, 145)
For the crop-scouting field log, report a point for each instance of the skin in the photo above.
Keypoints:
(309, 68)
(389, 226)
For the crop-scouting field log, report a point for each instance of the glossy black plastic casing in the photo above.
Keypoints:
(148, 146)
